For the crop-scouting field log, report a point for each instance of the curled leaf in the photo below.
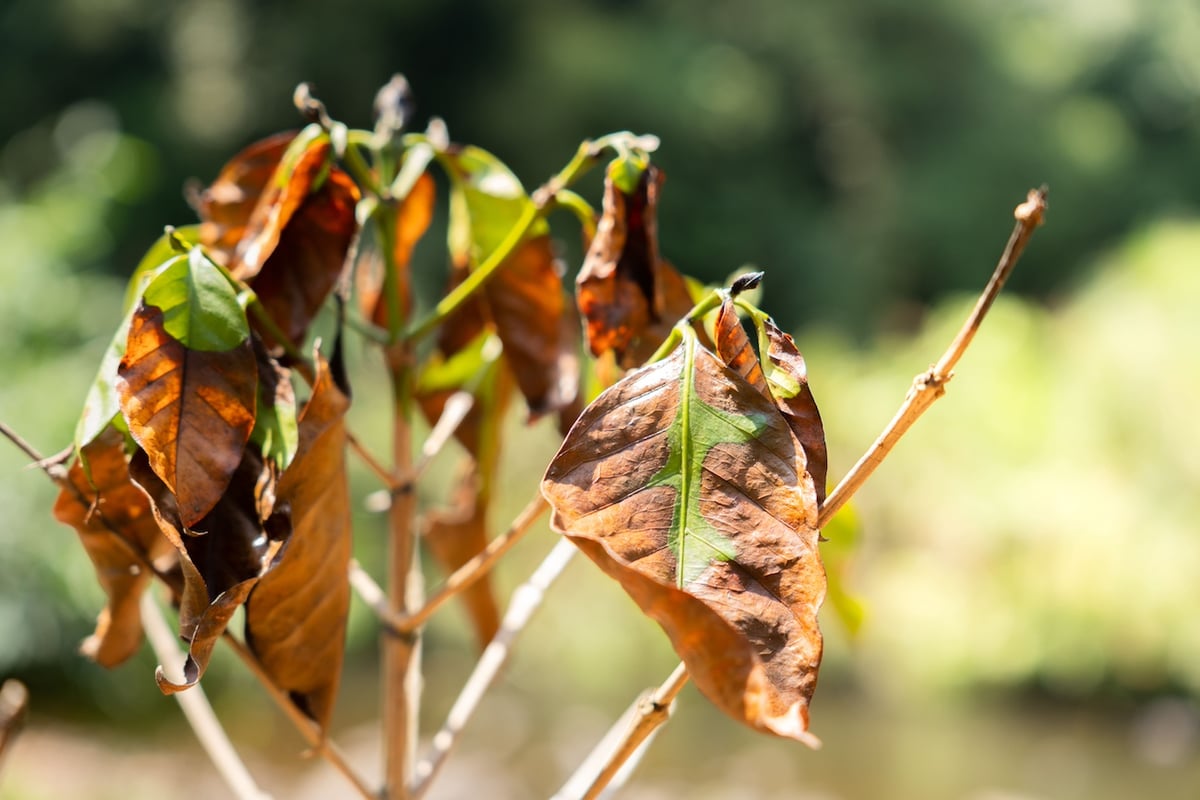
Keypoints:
(115, 524)
(629, 297)
(411, 218)
(685, 483)
(222, 556)
(296, 615)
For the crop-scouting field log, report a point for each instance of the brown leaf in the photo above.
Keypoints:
(307, 259)
(456, 535)
(113, 519)
(221, 557)
(412, 218)
(787, 376)
(785, 382)
(530, 311)
(296, 615)
(226, 206)
(629, 297)
(686, 484)
(190, 410)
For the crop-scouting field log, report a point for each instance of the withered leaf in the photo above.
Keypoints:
(114, 522)
(629, 296)
(226, 206)
(307, 259)
(454, 536)
(458, 533)
(222, 556)
(411, 218)
(296, 615)
(187, 383)
(783, 378)
(686, 484)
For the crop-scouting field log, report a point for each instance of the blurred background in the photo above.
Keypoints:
(1025, 569)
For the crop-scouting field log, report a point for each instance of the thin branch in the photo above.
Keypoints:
(926, 389)
(478, 566)
(196, 708)
(525, 601)
(618, 753)
(14, 707)
(321, 744)
(931, 385)
(383, 473)
(458, 405)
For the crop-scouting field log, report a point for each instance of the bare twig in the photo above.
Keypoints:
(474, 569)
(383, 473)
(931, 385)
(321, 744)
(926, 389)
(621, 748)
(453, 413)
(14, 705)
(525, 601)
(197, 709)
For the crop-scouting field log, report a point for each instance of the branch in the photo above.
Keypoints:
(927, 387)
(622, 747)
(931, 385)
(14, 707)
(321, 744)
(478, 566)
(525, 601)
(196, 708)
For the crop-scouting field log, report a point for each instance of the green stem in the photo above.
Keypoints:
(581, 208)
(710, 301)
(542, 200)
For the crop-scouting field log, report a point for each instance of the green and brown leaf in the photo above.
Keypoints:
(686, 484)
(187, 382)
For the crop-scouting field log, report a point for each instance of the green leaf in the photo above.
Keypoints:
(486, 201)
(200, 307)
(162, 251)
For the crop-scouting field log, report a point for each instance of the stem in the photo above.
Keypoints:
(321, 744)
(525, 601)
(622, 747)
(582, 209)
(929, 386)
(196, 708)
(539, 205)
(14, 707)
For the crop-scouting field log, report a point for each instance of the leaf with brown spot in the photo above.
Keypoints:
(296, 615)
(525, 298)
(686, 484)
(187, 382)
(629, 296)
(113, 519)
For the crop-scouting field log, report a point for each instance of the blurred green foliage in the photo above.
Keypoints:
(1037, 530)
